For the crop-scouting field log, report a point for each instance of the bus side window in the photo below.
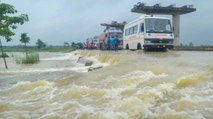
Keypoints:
(142, 27)
(126, 32)
(135, 29)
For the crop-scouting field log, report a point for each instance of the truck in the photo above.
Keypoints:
(111, 31)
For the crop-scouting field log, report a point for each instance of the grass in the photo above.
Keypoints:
(30, 58)
(47, 49)
(4, 54)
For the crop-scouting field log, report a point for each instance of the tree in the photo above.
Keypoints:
(181, 44)
(191, 44)
(73, 45)
(66, 44)
(40, 44)
(8, 22)
(80, 45)
(24, 39)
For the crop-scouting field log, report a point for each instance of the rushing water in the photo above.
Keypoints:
(132, 85)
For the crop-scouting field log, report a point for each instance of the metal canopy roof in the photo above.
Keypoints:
(158, 9)
(114, 24)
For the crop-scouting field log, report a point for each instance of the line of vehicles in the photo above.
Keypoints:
(145, 33)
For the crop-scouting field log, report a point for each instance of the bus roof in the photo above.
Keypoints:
(144, 17)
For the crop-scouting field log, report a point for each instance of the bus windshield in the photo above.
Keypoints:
(158, 25)
(119, 35)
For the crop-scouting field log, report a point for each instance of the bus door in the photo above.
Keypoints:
(142, 33)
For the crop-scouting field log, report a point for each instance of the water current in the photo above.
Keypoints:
(131, 85)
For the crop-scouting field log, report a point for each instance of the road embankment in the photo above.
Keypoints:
(193, 48)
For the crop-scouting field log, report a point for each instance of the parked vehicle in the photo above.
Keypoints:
(108, 34)
(148, 32)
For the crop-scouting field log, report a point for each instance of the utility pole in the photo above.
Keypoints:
(3, 55)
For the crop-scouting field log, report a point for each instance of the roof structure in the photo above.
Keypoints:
(114, 24)
(166, 10)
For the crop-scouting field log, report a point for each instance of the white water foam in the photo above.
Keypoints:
(73, 56)
(66, 56)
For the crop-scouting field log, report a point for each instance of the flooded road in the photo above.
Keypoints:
(131, 85)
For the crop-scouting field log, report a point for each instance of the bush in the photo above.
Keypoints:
(4, 54)
(29, 59)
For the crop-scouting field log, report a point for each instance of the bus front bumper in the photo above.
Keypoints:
(159, 46)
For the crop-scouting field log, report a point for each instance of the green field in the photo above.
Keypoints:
(48, 49)
(32, 53)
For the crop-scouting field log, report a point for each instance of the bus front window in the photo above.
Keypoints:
(158, 25)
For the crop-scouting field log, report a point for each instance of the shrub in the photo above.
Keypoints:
(4, 54)
(31, 58)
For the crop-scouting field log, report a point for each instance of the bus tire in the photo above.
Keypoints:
(145, 48)
(127, 46)
(165, 49)
(139, 46)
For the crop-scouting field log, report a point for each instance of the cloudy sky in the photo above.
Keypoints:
(57, 21)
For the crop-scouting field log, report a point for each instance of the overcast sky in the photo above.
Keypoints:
(57, 21)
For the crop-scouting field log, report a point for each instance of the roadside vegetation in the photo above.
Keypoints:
(25, 40)
(30, 58)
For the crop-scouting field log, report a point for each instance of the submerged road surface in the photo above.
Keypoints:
(131, 85)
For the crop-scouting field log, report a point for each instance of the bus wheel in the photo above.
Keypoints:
(127, 46)
(165, 50)
(146, 48)
(139, 46)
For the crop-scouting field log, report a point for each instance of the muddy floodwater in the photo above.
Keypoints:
(131, 85)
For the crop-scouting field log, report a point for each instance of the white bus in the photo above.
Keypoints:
(148, 32)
